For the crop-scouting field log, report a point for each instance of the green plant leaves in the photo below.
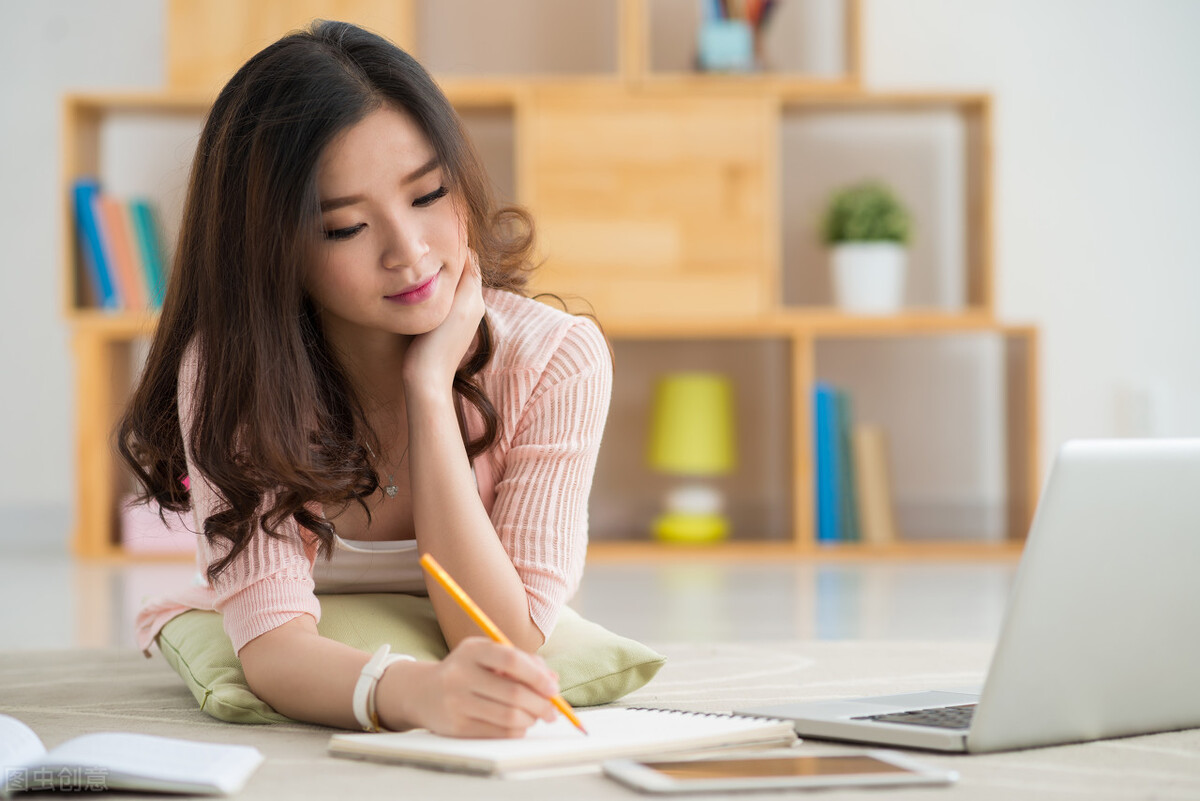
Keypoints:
(866, 212)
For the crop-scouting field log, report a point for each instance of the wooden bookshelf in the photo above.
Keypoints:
(710, 265)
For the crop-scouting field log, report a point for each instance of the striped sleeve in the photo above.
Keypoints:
(541, 508)
(270, 582)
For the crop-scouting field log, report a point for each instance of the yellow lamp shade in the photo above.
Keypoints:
(691, 433)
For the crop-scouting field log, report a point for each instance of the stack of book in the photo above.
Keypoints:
(120, 249)
(853, 477)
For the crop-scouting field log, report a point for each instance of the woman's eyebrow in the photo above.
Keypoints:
(423, 170)
(349, 200)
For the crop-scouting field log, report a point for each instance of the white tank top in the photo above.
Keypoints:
(370, 566)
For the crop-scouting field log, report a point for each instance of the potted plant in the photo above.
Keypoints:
(867, 228)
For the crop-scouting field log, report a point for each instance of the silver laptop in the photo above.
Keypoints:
(1101, 637)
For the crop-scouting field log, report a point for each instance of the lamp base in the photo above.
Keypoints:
(690, 529)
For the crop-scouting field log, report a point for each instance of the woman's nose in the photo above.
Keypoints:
(405, 246)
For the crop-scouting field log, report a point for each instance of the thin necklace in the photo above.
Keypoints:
(391, 487)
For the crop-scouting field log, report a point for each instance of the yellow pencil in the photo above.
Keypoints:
(485, 623)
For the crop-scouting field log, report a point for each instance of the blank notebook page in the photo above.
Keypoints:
(612, 732)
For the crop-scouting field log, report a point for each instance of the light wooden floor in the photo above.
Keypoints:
(51, 601)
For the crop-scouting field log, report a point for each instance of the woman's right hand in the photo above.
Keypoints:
(481, 689)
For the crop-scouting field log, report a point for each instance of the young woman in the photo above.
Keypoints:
(346, 374)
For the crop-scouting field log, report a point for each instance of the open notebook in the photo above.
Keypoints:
(120, 761)
(614, 732)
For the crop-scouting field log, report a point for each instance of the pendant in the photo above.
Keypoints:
(390, 489)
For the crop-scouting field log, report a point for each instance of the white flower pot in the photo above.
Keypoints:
(868, 277)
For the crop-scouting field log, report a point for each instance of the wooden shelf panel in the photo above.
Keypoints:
(733, 328)
(113, 326)
(1008, 549)
(735, 551)
(111, 102)
(814, 323)
(746, 550)
(484, 90)
(795, 94)
(833, 323)
(481, 92)
(782, 87)
(817, 323)
(115, 554)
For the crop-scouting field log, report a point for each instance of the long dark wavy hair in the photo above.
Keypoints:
(277, 423)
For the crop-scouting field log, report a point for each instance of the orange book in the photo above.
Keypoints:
(125, 261)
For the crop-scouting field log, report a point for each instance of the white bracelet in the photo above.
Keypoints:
(364, 691)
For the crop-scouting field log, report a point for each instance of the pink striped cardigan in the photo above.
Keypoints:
(550, 380)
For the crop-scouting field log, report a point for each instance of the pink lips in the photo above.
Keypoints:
(417, 294)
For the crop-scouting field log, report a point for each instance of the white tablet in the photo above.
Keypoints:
(776, 772)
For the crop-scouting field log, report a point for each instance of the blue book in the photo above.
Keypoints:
(829, 512)
(146, 233)
(95, 259)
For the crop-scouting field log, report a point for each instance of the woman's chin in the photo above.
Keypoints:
(421, 321)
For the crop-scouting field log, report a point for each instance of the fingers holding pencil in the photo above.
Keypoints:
(517, 683)
(509, 689)
(484, 622)
(481, 689)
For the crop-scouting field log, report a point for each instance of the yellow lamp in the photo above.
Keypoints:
(691, 435)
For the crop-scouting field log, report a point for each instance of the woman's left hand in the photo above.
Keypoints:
(433, 357)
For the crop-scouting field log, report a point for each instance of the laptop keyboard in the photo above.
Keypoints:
(944, 717)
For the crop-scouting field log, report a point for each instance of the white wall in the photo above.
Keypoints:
(48, 47)
(1097, 157)
(1097, 115)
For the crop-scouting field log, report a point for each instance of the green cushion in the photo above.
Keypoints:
(594, 666)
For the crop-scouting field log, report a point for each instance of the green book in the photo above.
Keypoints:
(149, 245)
(847, 481)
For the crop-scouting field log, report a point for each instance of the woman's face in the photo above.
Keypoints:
(392, 243)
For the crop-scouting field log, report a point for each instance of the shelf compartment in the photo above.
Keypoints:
(563, 38)
(492, 130)
(810, 43)
(968, 398)
(137, 146)
(627, 495)
(107, 366)
(932, 150)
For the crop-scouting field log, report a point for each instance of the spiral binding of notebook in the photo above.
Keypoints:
(701, 714)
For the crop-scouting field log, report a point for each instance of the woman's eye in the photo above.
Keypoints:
(432, 197)
(339, 234)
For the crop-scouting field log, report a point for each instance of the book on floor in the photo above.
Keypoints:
(613, 733)
(115, 761)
